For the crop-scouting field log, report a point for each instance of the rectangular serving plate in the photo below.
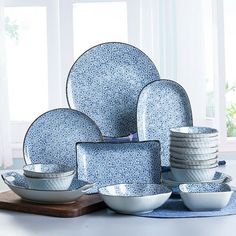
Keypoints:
(112, 163)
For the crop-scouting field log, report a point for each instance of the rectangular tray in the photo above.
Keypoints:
(112, 163)
(85, 204)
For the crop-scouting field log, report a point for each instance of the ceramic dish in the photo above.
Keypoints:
(205, 197)
(185, 166)
(52, 137)
(169, 181)
(197, 144)
(193, 175)
(135, 198)
(105, 83)
(56, 183)
(162, 105)
(194, 140)
(18, 185)
(113, 163)
(47, 170)
(194, 132)
(196, 151)
(193, 157)
(189, 162)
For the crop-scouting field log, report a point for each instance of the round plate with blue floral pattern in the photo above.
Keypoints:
(52, 137)
(105, 83)
(162, 105)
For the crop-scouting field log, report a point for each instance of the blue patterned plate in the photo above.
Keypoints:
(113, 163)
(52, 137)
(18, 184)
(162, 105)
(105, 83)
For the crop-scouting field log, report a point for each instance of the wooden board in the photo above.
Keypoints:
(85, 204)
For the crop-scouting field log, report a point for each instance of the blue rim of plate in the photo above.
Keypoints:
(104, 43)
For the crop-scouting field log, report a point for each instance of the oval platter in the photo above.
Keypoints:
(162, 105)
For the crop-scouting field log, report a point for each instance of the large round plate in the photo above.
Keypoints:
(105, 83)
(52, 137)
(162, 105)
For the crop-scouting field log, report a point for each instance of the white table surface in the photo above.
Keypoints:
(106, 222)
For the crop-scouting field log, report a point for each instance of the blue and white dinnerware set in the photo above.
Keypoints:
(114, 90)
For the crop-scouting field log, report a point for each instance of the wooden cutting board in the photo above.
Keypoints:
(85, 204)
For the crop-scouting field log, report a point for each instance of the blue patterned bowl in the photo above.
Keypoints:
(205, 196)
(193, 175)
(57, 183)
(193, 132)
(135, 198)
(47, 170)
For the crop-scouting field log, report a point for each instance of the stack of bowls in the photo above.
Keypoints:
(193, 153)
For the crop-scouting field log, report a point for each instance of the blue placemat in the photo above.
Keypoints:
(174, 208)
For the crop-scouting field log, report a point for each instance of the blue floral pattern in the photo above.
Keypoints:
(105, 83)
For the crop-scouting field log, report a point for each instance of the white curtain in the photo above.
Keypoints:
(5, 139)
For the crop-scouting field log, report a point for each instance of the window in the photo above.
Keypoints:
(98, 22)
(26, 60)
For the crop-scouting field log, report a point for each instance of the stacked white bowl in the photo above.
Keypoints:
(193, 153)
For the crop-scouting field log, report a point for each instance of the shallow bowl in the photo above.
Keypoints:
(193, 175)
(47, 170)
(198, 139)
(194, 144)
(205, 196)
(194, 162)
(194, 132)
(57, 183)
(196, 151)
(135, 198)
(193, 157)
(193, 167)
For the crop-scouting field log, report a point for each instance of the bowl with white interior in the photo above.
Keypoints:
(194, 132)
(205, 196)
(135, 198)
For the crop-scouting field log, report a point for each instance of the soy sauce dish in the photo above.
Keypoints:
(205, 196)
(135, 198)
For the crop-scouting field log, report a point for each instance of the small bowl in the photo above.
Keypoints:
(47, 170)
(192, 167)
(205, 197)
(194, 132)
(193, 175)
(195, 144)
(135, 198)
(196, 151)
(193, 140)
(190, 162)
(193, 157)
(57, 183)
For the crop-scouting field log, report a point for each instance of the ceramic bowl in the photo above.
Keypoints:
(134, 198)
(194, 144)
(194, 162)
(194, 132)
(193, 140)
(17, 183)
(47, 170)
(205, 197)
(193, 167)
(193, 157)
(193, 175)
(57, 183)
(196, 151)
